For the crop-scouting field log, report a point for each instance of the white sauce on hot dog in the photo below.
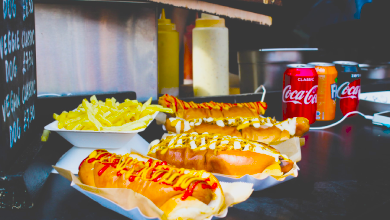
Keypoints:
(187, 126)
(237, 145)
(289, 125)
(178, 127)
(220, 123)
(193, 145)
(206, 141)
(257, 122)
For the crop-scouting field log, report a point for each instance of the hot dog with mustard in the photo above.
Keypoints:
(178, 192)
(220, 154)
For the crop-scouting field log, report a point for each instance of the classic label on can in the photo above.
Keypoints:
(299, 97)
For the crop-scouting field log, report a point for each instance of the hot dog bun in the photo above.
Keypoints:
(219, 154)
(167, 187)
(265, 130)
(191, 110)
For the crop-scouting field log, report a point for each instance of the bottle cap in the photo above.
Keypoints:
(165, 24)
(208, 20)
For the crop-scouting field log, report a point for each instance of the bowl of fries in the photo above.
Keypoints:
(110, 124)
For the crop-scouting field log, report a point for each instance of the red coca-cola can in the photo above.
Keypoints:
(348, 87)
(300, 85)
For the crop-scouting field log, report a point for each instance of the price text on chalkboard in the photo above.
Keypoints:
(18, 77)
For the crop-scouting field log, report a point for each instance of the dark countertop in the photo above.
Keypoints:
(343, 174)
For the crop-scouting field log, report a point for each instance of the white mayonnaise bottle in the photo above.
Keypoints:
(210, 56)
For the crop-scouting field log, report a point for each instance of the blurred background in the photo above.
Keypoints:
(353, 30)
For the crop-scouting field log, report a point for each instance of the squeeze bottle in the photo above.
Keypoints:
(210, 56)
(168, 57)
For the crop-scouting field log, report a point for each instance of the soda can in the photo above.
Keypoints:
(327, 91)
(300, 83)
(348, 88)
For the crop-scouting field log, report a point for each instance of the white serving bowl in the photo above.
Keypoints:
(96, 139)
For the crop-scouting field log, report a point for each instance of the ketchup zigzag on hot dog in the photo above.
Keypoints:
(265, 130)
(220, 154)
(177, 192)
(190, 110)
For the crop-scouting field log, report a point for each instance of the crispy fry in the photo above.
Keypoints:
(147, 112)
(109, 115)
(93, 100)
(45, 135)
(55, 116)
(61, 119)
(160, 108)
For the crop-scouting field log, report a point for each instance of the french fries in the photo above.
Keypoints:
(110, 115)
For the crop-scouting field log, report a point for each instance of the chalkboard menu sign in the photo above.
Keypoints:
(18, 78)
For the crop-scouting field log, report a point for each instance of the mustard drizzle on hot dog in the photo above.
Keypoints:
(152, 170)
(214, 142)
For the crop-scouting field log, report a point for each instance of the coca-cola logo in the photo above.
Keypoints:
(296, 97)
(347, 90)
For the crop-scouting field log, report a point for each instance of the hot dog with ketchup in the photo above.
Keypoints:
(189, 110)
(178, 192)
(220, 154)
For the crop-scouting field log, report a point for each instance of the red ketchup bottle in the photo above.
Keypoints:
(300, 85)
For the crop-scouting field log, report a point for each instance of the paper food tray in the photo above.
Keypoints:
(71, 159)
(136, 206)
(260, 181)
(96, 139)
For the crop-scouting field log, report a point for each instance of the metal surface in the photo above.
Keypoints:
(96, 47)
(374, 106)
(321, 64)
(301, 66)
(346, 63)
(266, 66)
(289, 49)
(381, 71)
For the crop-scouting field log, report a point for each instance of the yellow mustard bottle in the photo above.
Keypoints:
(168, 57)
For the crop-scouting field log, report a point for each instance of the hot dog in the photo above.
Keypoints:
(177, 192)
(265, 130)
(220, 154)
(191, 110)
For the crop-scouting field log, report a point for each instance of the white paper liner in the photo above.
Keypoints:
(260, 181)
(291, 148)
(161, 118)
(136, 206)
